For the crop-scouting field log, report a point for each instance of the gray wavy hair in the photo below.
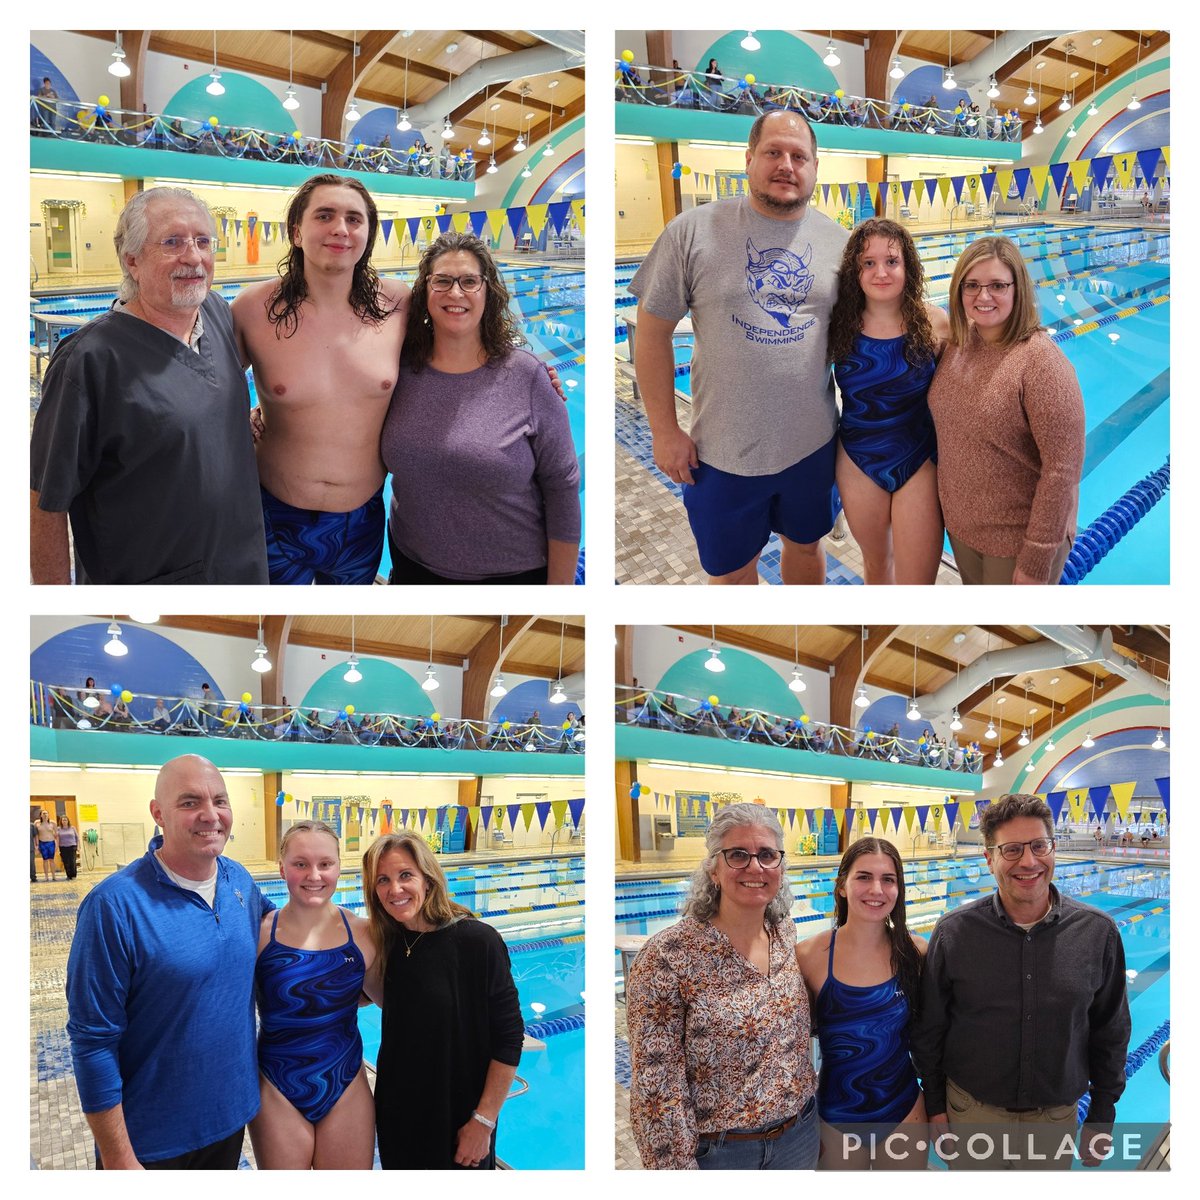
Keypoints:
(133, 228)
(704, 897)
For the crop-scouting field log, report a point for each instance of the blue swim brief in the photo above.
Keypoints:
(733, 516)
(309, 546)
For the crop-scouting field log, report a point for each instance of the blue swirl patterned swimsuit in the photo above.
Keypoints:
(309, 1046)
(866, 1072)
(885, 428)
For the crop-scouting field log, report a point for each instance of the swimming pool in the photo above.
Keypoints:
(1104, 295)
(537, 906)
(548, 303)
(1136, 896)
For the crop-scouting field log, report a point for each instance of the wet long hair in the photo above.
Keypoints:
(365, 296)
(906, 958)
(497, 329)
(845, 323)
(438, 908)
(308, 827)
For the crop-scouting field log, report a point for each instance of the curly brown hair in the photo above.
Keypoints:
(365, 297)
(497, 329)
(845, 323)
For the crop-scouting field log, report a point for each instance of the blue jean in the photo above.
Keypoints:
(796, 1150)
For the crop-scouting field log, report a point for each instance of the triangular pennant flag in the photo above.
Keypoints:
(542, 807)
(576, 807)
(459, 221)
(1164, 790)
(908, 817)
(443, 222)
(414, 226)
(402, 817)
(1076, 798)
(386, 809)
(1058, 173)
(897, 811)
(814, 818)
(872, 813)
(237, 228)
(988, 183)
(251, 222)
(1148, 161)
(473, 818)
(1080, 173)
(1021, 179)
(1123, 165)
(824, 193)
(845, 190)
(1099, 798)
(943, 189)
(527, 815)
(516, 218)
(952, 807)
(956, 182)
(966, 813)
(557, 212)
(536, 213)
(839, 819)
(558, 809)
(922, 816)
(478, 222)
(1004, 183)
(495, 220)
(485, 815)
(386, 223)
(224, 229)
(451, 818)
(906, 188)
(1122, 793)
(1038, 175)
(1100, 168)
(1055, 801)
(973, 187)
(578, 207)
(1166, 153)
(514, 811)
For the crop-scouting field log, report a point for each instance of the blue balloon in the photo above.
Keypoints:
(116, 690)
(706, 705)
(635, 790)
(279, 800)
(428, 723)
(244, 708)
(677, 171)
(342, 715)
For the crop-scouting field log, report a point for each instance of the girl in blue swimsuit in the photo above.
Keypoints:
(864, 978)
(884, 341)
(313, 963)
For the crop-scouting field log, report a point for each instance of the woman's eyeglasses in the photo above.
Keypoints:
(467, 283)
(972, 288)
(737, 858)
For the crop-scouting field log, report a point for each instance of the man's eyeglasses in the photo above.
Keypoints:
(738, 859)
(173, 247)
(1013, 850)
(972, 288)
(443, 283)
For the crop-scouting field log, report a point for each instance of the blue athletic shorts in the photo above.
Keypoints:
(733, 516)
(308, 546)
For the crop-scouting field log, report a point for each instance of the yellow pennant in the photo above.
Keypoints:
(1039, 175)
(1080, 174)
(496, 217)
(943, 188)
(1122, 794)
(577, 213)
(1123, 164)
(1003, 183)
(536, 215)
(527, 815)
(558, 809)
(1077, 798)
(909, 813)
(473, 817)
(966, 811)
(972, 187)
(460, 221)
(839, 817)
(1166, 153)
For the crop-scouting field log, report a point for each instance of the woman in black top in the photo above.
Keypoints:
(452, 1027)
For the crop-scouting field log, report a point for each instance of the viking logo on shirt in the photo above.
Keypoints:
(779, 282)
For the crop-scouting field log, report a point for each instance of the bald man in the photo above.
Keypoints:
(160, 989)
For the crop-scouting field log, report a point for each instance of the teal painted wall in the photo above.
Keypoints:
(246, 103)
(384, 687)
(782, 59)
(747, 682)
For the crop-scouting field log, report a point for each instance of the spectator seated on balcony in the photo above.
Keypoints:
(160, 719)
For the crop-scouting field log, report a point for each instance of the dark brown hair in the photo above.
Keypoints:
(365, 297)
(497, 329)
(1009, 808)
(906, 958)
(845, 322)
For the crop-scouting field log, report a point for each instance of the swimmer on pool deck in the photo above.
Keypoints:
(864, 977)
(313, 964)
(884, 340)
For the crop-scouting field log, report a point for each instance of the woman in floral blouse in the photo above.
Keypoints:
(718, 1016)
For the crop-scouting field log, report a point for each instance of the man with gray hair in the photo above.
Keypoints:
(149, 399)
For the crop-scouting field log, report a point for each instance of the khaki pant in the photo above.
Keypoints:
(974, 567)
(997, 1139)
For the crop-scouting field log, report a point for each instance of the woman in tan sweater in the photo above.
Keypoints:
(1010, 426)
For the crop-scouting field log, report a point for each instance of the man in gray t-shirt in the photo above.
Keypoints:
(759, 276)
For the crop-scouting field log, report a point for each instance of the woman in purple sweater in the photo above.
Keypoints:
(485, 480)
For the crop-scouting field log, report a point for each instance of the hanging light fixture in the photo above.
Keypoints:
(897, 71)
(114, 645)
(430, 682)
(955, 720)
(914, 713)
(949, 82)
(1092, 109)
(403, 124)
(1158, 743)
(750, 42)
(353, 674)
(714, 663)
(860, 697)
(491, 167)
(90, 701)
(797, 683)
(990, 732)
(998, 761)
(500, 690)
(1050, 741)
(1088, 741)
(352, 113)
(1134, 104)
(558, 696)
(1065, 104)
(548, 152)
(289, 100)
(118, 66)
(993, 87)
(1037, 125)
(526, 173)
(261, 662)
(1030, 98)
(1023, 740)
(831, 59)
(215, 87)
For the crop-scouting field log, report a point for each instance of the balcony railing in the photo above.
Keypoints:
(99, 711)
(70, 121)
(665, 87)
(683, 714)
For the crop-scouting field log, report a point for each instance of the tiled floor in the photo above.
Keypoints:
(654, 543)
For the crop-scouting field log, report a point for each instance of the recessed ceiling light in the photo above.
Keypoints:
(1097, 41)
(1041, 66)
(451, 48)
(494, 107)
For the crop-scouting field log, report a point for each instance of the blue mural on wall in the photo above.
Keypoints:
(1127, 132)
(530, 696)
(783, 58)
(746, 682)
(1121, 756)
(384, 687)
(155, 665)
(246, 104)
(919, 84)
(41, 66)
(373, 126)
(883, 713)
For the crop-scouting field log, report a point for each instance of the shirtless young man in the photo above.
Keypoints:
(325, 346)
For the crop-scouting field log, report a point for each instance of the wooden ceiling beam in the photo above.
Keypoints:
(757, 645)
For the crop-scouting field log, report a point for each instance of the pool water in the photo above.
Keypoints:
(547, 302)
(1136, 896)
(1083, 274)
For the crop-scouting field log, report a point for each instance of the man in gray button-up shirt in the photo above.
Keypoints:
(1023, 1008)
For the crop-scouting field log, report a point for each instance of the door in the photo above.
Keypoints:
(60, 238)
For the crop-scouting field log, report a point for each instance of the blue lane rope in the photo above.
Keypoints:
(1118, 520)
(1135, 1062)
(544, 1029)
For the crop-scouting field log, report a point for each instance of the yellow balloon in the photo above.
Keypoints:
(685, 170)
(287, 797)
(213, 122)
(296, 133)
(906, 106)
(626, 56)
(246, 697)
(104, 101)
(839, 93)
(870, 734)
(566, 724)
(435, 716)
(506, 725)
(804, 719)
(750, 78)
(350, 710)
(712, 700)
(127, 695)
